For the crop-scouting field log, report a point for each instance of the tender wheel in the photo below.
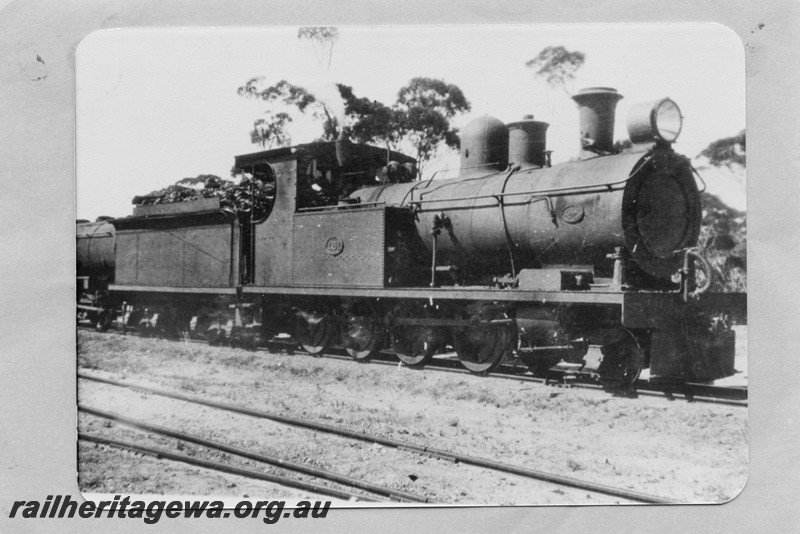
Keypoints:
(104, 319)
(145, 329)
(623, 360)
(204, 320)
(172, 324)
(361, 336)
(182, 320)
(483, 347)
(245, 338)
(314, 331)
(215, 336)
(131, 316)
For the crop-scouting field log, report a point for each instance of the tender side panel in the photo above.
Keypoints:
(339, 248)
(178, 253)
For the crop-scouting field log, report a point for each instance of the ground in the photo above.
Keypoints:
(690, 452)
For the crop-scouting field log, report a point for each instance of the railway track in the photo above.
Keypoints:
(223, 468)
(691, 392)
(383, 492)
(421, 449)
(733, 396)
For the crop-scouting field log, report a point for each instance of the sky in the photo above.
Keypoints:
(157, 105)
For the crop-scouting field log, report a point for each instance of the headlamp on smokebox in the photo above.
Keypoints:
(659, 121)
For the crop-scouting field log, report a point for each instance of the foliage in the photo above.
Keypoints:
(425, 108)
(430, 93)
(421, 117)
(272, 130)
(322, 40)
(723, 231)
(727, 150)
(370, 120)
(557, 65)
(723, 238)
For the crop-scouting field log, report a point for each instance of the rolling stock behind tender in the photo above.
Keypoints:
(513, 257)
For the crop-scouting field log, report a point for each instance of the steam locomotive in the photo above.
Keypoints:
(589, 264)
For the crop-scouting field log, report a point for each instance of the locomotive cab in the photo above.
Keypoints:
(313, 183)
(323, 174)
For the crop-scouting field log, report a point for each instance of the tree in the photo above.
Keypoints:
(283, 97)
(723, 231)
(723, 238)
(322, 40)
(271, 130)
(369, 121)
(557, 66)
(420, 118)
(425, 108)
(447, 99)
(727, 150)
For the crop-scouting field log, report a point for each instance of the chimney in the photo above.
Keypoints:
(343, 149)
(597, 106)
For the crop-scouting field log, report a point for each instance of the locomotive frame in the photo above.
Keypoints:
(518, 259)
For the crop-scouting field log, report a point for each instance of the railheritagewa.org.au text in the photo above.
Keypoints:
(64, 506)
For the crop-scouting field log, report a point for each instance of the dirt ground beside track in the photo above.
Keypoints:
(690, 452)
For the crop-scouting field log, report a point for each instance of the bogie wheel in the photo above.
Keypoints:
(361, 336)
(481, 348)
(623, 360)
(314, 331)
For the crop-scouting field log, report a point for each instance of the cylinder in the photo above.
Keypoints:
(597, 106)
(527, 142)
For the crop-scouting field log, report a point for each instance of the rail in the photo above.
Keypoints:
(224, 468)
(422, 449)
(384, 491)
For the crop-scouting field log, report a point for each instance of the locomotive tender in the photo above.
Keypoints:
(511, 258)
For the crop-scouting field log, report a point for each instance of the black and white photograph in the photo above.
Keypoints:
(399, 267)
(413, 265)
